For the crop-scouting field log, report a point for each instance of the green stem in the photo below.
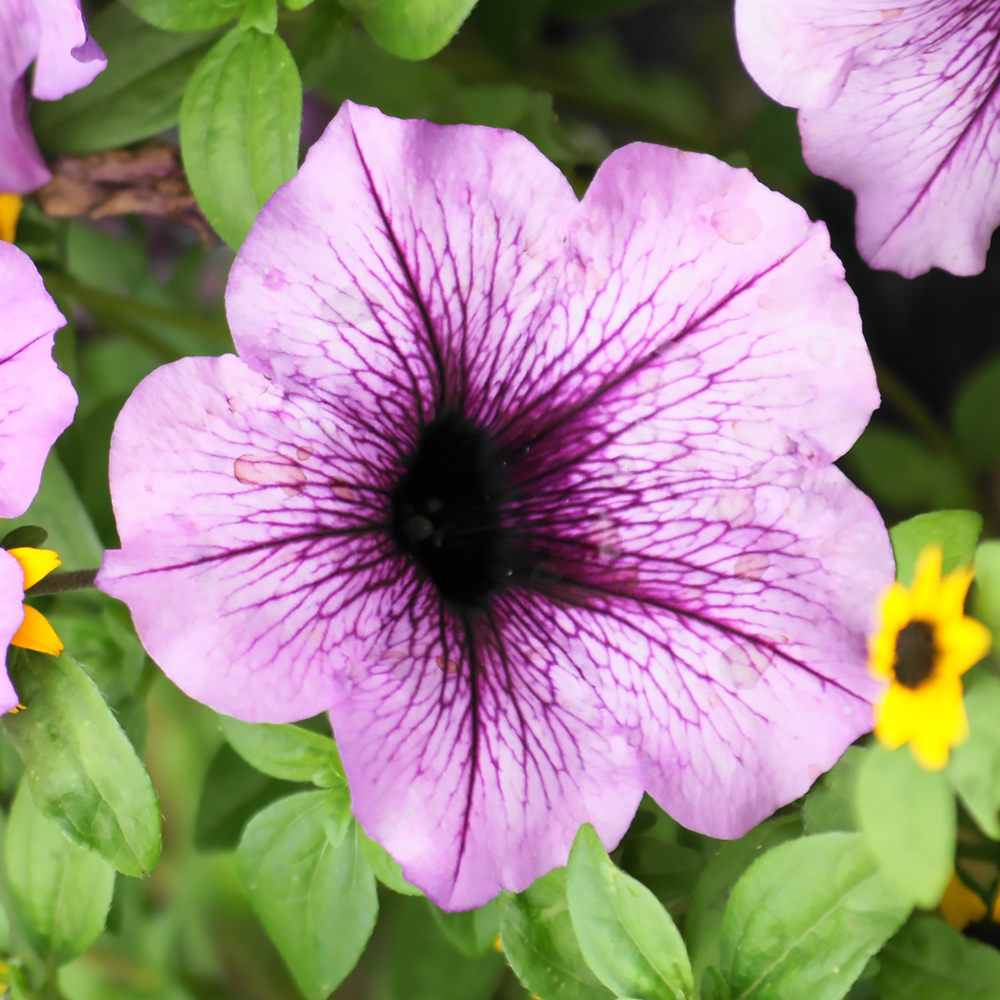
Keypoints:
(60, 583)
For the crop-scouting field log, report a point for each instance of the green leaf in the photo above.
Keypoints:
(804, 920)
(62, 893)
(703, 923)
(260, 14)
(185, 15)
(27, 536)
(985, 596)
(316, 899)
(625, 935)
(416, 29)
(232, 794)
(974, 765)
(81, 768)
(385, 867)
(473, 932)
(830, 803)
(928, 960)
(541, 946)
(956, 531)
(137, 96)
(286, 751)
(907, 816)
(901, 472)
(240, 123)
(976, 416)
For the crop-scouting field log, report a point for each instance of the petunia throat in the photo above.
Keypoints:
(447, 511)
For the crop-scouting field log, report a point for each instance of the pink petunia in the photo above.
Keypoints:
(899, 103)
(535, 495)
(53, 35)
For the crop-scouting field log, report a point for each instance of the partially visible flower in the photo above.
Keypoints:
(53, 35)
(10, 212)
(964, 909)
(899, 102)
(922, 647)
(535, 495)
(37, 403)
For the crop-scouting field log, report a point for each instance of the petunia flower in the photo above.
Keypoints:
(52, 34)
(37, 403)
(922, 647)
(898, 103)
(534, 494)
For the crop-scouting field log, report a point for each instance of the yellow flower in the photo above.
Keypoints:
(960, 906)
(35, 631)
(10, 211)
(923, 646)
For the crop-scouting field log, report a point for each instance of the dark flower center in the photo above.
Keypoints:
(984, 930)
(447, 511)
(915, 654)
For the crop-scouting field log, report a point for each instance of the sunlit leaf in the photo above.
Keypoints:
(81, 768)
(316, 899)
(416, 29)
(956, 531)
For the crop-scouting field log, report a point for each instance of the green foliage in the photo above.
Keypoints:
(928, 960)
(186, 15)
(829, 805)
(385, 868)
(703, 924)
(625, 935)
(285, 751)
(137, 96)
(541, 945)
(804, 920)
(956, 531)
(424, 964)
(232, 794)
(474, 932)
(314, 894)
(907, 816)
(974, 765)
(415, 29)
(81, 768)
(985, 595)
(240, 122)
(976, 417)
(62, 892)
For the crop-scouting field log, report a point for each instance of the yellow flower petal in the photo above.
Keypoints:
(36, 563)
(962, 642)
(10, 211)
(959, 905)
(36, 633)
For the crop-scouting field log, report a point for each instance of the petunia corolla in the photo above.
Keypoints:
(53, 35)
(37, 402)
(535, 495)
(899, 103)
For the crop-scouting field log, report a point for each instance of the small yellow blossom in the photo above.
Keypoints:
(921, 649)
(35, 632)
(10, 212)
(960, 906)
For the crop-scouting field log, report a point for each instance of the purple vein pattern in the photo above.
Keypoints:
(53, 35)
(899, 102)
(37, 403)
(656, 579)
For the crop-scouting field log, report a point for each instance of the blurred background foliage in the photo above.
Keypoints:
(579, 78)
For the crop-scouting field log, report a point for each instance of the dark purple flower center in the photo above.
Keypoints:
(447, 511)
(916, 653)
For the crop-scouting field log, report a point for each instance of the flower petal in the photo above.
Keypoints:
(11, 616)
(441, 274)
(475, 760)
(37, 401)
(900, 105)
(68, 58)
